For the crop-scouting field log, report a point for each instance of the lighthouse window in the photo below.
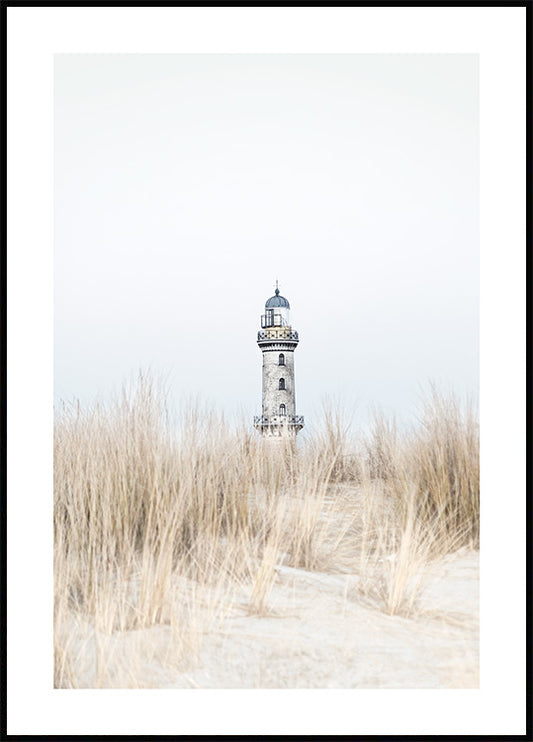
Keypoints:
(281, 359)
(282, 409)
(282, 383)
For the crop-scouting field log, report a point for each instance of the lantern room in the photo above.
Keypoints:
(276, 311)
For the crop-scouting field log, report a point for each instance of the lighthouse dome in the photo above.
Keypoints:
(277, 301)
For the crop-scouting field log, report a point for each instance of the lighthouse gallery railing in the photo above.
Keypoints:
(285, 419)
(290, 335)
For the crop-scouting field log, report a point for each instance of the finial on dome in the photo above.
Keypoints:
(277, 290)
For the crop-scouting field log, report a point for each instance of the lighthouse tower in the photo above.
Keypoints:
(278, 341)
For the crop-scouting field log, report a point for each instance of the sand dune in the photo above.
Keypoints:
(319, 632)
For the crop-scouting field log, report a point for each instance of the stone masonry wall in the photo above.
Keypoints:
(273, 396)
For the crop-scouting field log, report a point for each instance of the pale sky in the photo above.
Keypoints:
(185, 185)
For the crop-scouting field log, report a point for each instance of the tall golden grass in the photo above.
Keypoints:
(158, 522)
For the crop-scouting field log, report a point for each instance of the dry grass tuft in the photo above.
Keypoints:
(161, 525)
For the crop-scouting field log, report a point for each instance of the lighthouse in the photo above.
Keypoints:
(277, 341)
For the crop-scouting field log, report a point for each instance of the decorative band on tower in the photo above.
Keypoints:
(278, 341)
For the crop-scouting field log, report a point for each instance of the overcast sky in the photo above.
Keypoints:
(185, 185)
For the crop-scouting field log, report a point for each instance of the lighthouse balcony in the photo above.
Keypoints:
(277, 420)
(283, 333)
(273, 320)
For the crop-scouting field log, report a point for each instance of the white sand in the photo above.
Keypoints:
(321, 633)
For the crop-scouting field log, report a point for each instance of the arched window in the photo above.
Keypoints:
(282, 409)
(282, 383)
(281, 361)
